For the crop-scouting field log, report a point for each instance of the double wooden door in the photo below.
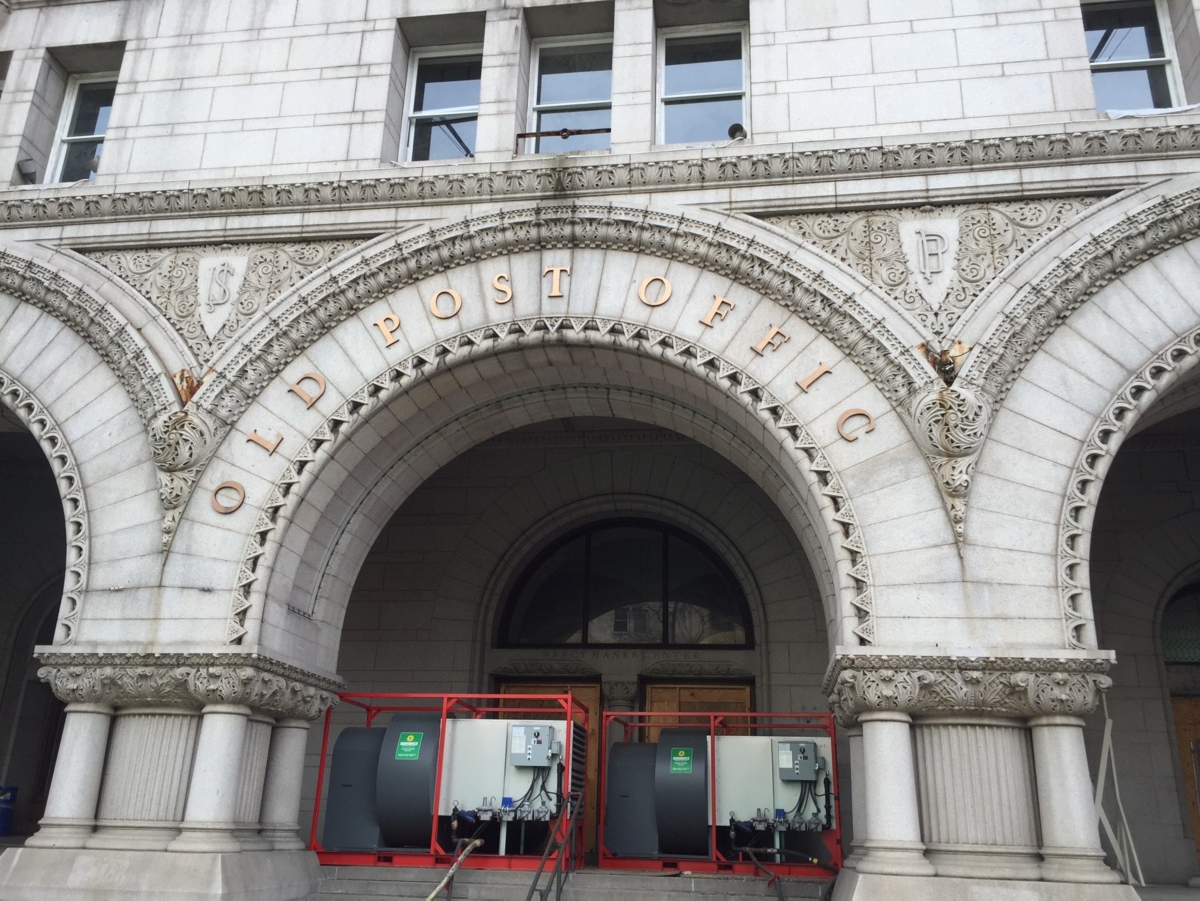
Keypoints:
(1187, 734)
(695, 698)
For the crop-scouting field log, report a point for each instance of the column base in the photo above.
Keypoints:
(985, 861)
(205, 838)
(61, 834)
(894, 858)
(132, 837)
(283, 838)
(45, 874)
(1076, 865)
(859, 886)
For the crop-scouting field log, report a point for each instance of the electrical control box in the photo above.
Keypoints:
(797, 761)
(531, 744)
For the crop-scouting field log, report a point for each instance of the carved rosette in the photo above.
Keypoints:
(181, 442)
(950, 424)
(188, 680)
(1001, 686)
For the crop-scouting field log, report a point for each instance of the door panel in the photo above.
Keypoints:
(1187, 734)
(695, 698)
(588, 694)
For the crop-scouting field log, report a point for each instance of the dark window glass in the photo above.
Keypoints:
(575, 74)
(443, 138)
(92, 108)
(80, 160)
(703, 64)
(451, 83)
(1180, 628)
(689, 121)
(1121, 31)
(627, 582)
(1118, 89)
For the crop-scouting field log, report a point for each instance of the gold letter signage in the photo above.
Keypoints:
(455, 298)
(850, 414)
(226, 509)
(664, 293)
(387, 325)
(309, 399)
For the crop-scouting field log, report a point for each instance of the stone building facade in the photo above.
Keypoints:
(316, 336)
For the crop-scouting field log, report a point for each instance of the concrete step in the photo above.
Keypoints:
(374, 883)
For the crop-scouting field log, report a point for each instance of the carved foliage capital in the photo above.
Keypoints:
(1023, 687)
(188, 680)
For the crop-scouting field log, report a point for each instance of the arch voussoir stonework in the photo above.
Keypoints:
(678, 352)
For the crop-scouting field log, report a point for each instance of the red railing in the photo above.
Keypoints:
(741, 863)
(474, 706)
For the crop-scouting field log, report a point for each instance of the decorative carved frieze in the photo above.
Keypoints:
(934, 260)
(1006, 686)
(16, 397)
(950, 424)
(714, 669)
(209, 291)
(462, 184)
(609, 333)
(543, 667)
(193, 680)
(181, 442)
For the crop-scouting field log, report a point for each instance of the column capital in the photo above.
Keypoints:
(1024, 686)
(188, 680)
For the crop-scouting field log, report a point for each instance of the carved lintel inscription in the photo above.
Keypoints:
(851, 414)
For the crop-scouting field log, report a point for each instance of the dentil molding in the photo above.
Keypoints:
(1004, 686)
(126, 680)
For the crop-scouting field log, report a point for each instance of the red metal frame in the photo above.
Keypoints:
(477, 706)
(723, 724)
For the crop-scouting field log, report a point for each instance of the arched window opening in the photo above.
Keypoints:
(627, 582)
(1180, 629)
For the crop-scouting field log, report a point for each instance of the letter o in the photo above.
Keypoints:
(454, 295)
(226, 509)
(666, 294)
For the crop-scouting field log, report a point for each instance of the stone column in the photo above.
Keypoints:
(893, 835)
(208, 821)
(79, 767)
(1070, 828)
(250, 784)
(858, 795)
(978, 797)
(281, 785)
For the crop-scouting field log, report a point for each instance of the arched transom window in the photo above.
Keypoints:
(1181, 627)
(633, 582)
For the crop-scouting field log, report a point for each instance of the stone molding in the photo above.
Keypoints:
(676, 351)
(699, 668)
(540, 668)
(990, 237)
(307, 315)
(1003, 686)
(1091, 466)
(97, 324)
(42, 426)
(461, 184)
(190, 680)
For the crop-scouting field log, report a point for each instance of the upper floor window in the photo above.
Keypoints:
(627, 582)
(573, 92)
(86, 111)
(702, 86)
(444, 107)
(1129, 51)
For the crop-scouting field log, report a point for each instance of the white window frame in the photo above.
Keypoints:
(1169, 61)
(410, 99)
(61, 140)
(530, 144)
(660, 68)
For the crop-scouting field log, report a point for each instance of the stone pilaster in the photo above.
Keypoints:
(251, 784)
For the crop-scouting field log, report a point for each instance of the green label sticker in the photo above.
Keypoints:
(681, 760)
(409, 746)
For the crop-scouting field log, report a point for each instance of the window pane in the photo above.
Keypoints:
(1180, 629)
(625, 604)
(574, 74)
(92, 108)
(580, 119)
(698, 65)
(1131, 88)
(447, 83)
(76, 159)
(700, 120)
(549, 607)
(1122, 31)
(702, 599)
(442, 138)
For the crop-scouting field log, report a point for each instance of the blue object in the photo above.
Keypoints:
(8, 797)
(506, 802)
(780, 813)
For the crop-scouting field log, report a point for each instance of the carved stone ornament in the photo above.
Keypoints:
(191, 680)
(621, 695)
(209, 291)
(402, 376)
(16, 397)
(935, 260)
(540, 668)
(456, 184)
(950, 424)
(181, 442)
(1004, 686)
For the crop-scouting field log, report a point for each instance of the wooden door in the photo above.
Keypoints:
(1187, 734)
(695, 697)
(588, 694)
